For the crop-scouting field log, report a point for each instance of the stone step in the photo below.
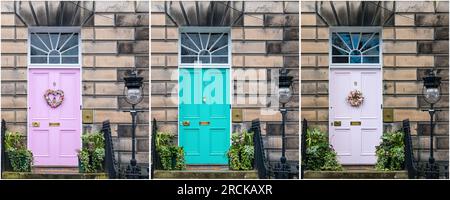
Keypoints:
(205, 174)
(32, 175)
(207, 167)
(356, 174)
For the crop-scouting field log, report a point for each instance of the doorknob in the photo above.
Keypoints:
(186, 123)
(35, 124)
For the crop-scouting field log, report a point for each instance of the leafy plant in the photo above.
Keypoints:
(92, 154)
(20, 157)
(171, 156)
(241, 153)
(319, 153)
(391, 153)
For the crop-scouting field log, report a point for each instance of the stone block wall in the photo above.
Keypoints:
(417, 42)
(113, 41)
(267, 41)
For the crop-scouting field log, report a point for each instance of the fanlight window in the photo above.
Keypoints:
(54, 48)
(211, 48)
(355, 47)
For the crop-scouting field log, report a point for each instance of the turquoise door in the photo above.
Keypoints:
(204, 115)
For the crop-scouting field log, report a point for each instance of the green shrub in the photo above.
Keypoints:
(241, 154)
(92, 154)
(170, 156)
(19, 156)
(320, 155)
(391, 153)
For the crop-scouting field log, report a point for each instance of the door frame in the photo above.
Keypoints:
(75, 29)
(357, 66)
(209, 29)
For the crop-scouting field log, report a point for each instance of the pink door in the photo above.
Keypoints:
(355, 131)
(54, 133)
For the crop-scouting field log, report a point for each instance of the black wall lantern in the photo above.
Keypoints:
(432, 94)
(285, 95)
(134, 93)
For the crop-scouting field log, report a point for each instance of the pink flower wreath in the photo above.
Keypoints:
(54, 98)
(355, 98)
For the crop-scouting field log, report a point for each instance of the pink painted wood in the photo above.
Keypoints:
(54, 145)
(355, 144)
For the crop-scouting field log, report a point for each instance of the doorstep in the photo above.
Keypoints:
(53, 173)
(356, 174)
(205, 172)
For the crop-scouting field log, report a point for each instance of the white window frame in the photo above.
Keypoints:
(200, 29)
(53, 29)
(374, 29)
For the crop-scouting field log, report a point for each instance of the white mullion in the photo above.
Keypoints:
(351, 39)
(50, 38)
(219, 49)
(64, 44)
(207, 42)
(368, 41)
(345, 43)
(214, 44)
(370, 48)
(341, 49)
(57, 41)
(184, 46)
(39, 49)
(42, 41)
(200, 38)
(61, 52)
(192, 41)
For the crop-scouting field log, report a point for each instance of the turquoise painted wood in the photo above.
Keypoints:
(204, 115)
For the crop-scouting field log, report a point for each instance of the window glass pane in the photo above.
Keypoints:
(204, 45)
(39, 60)
(54, 45)
(355, 44)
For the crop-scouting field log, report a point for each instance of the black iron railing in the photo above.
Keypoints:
(261, 163)
(410, 165)
(303, 146)
(5, 161)
(112, 167)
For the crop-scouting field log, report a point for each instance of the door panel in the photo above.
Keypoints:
(355, 131)
(56, 139)
(204, 115)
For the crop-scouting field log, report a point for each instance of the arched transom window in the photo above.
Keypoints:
(54, 48)
(204, 47)
(355, 47)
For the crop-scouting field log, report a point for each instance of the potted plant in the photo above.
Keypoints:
(171, 157)
(91, 157)
(241, 154)
(391, 152)
(20, 158)
(319, 153)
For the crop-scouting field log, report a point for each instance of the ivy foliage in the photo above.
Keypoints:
(92, 154)
(170, 155)
(391, 152)
(20, 157)
(241, 154)
(320, 155)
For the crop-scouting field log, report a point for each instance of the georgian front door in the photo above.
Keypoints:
(54, 134)
(54, 95)
(204, 115)
(355, 127)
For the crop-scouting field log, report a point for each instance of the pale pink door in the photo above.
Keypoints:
(355, 131)
(54, 134)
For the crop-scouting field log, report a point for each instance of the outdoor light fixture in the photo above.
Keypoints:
(134, 93)
(432, 94)
(285, 95)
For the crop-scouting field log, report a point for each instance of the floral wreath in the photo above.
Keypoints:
(58, 97)
(355, 98)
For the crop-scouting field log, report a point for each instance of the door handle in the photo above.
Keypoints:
(337, 123)
(35, 124)
(54, 124)
(204, 123)
(186, 123)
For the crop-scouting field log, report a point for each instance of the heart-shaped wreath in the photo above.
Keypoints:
(54, 98)
(355, 98)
